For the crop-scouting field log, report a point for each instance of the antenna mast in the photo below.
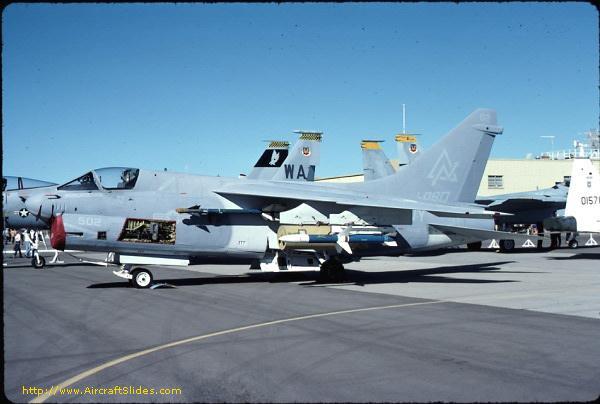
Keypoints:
(403, 119)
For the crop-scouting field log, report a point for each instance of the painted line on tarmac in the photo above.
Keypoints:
(55, 389)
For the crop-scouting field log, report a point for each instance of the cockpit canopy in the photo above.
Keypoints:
(84, 183)
(10, 183)
(108, 178)
(117, 177)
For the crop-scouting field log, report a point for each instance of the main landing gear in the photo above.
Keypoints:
(332, 270)
(507, 245)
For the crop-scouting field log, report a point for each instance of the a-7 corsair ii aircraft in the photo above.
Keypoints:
(156, 217)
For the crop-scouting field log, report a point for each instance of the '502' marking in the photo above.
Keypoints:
(89, 221)
(590, 200)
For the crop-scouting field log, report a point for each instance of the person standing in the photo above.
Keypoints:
(6, 235)
(17, 247)
(27, 241)
(13, 233)
(34, 245)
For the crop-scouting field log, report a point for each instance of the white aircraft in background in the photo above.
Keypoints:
(582, 212)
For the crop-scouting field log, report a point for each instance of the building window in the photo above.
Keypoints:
(495, 182)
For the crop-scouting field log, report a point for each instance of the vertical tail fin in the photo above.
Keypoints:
(302, 159)
(375, 162)
(449, 171)
(583, 200)
(270, 161)
(408, 148)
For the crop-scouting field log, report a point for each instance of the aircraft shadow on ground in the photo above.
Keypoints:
(428, 275)
(579, 256)
(517, 250)
(218, 280)
(355, 277)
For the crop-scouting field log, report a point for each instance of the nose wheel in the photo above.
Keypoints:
(141, 278)
(38, 262)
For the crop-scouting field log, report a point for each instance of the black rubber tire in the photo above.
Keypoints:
(573, 244)
(332, 271)
(325, 273)
(41, 264)
(507, 245)
(142, 278)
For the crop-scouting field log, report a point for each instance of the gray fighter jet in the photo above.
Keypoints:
(530, 207)
(375, 162)
(155, 217)
(408, 148)
(276, 163)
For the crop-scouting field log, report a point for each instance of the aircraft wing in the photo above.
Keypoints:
(512, 205)
(291, 195)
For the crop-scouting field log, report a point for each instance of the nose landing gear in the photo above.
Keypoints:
(38, 261)
(140, 278)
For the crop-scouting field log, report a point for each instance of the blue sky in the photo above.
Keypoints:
(197, 87)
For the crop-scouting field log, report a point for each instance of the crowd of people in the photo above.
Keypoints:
(23, 238)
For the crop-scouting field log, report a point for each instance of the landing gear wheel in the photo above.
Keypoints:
(573, 244)
(507, 245)
(474, 246)
(142, 278)
(38, 263)
(332, 271)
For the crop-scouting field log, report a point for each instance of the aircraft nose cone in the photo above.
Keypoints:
(58, 236)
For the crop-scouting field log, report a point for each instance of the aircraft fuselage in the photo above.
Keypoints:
(145, 220)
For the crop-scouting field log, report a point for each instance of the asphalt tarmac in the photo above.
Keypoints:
(401, 333)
